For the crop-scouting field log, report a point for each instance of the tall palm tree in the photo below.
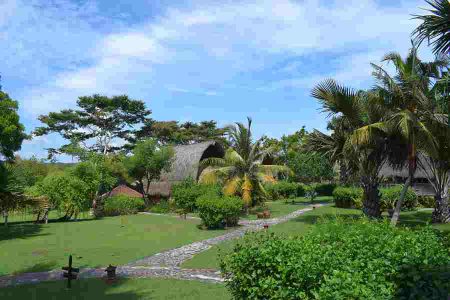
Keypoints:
(353, 110)
(407, 106)
(241, 170)
(435, 26)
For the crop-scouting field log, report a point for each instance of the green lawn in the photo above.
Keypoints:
(130, 289)
(300, 225)
(28, 247)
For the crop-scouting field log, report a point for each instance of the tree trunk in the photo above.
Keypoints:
(371, 199)
(343, 173)
(398, 205)
(5, 216)
(441, 213)
(45, 217)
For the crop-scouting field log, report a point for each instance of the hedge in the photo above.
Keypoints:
(186, 193)
(357, 259)
(348, 197)
(284, 190)
(325, 189)
(122, 205)
(218, 212)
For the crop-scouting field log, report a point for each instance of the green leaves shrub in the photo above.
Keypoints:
(325, 189)
(389, 197)
(426, 201)
(186, 193)
(352, 259)
(284, 190)
(348, 197)
(217, 212)
(122, 205)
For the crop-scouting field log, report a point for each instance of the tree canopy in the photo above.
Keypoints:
(12, 132)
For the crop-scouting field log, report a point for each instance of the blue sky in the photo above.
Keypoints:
(198, 60)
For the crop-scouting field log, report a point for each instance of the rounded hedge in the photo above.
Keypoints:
(337, 259)
(218, 212)
(347, 197)
(122, 205)
(284, 189)
(389, 197)
(186, 193)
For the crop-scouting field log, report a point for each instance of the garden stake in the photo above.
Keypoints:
(71, 273)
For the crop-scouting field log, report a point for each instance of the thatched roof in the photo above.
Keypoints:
(388, 171)
(186, 164)
(122, 190)
(188, 157)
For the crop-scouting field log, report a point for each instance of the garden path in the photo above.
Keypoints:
(165, 264)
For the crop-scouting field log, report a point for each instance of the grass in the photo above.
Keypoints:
(29, 247)
(130, 289)
(300, 225)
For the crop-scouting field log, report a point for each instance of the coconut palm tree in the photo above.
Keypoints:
(435, 26)
(241, 170)
(407, 107)
(353, 110)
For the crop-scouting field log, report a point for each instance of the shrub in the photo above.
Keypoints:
(284, 190)
(122, 205)
(426, 201)
(186, 193)
(162, 207)
(357, 259)
(217, 212)
(325, 189)
(348, 197)
(389, 197)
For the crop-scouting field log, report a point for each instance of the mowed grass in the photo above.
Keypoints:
(29, 247)
(300, 225)
(130, 289)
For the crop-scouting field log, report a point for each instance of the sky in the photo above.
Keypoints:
(196, 60)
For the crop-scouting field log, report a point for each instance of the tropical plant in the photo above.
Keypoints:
(241, 171)
(435, 26)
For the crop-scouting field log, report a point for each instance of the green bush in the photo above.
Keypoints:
(325, 189)
(348, 197)
(122, 205)
(186, 193)
(284, 190)
(217, 212)
(389, 197)
(162, 207)
(357, 259)
(426, 201)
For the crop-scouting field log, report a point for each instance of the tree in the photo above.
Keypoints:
(148, 161)
(435, 26)
(408, 110)
(309, 166)
(353, 110)
(173, 133)
(12, 132)
(103, 120)
(241, 170)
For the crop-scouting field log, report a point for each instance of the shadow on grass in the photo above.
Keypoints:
(39, 267)
(81, 289)
(314, 218)
(21, 230)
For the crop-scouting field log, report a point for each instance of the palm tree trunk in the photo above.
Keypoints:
(343, 173)
(371, 198)
(441, 213)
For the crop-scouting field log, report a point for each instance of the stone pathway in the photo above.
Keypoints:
(165, 264)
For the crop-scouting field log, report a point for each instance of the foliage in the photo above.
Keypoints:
(12, 132)
(435, 27)
(162, 207)
(283, 189)
(426, 201)
(173, 133)
(347, 197)
(148, 162)
(311, 192)
(217, 212)
(102, 118)
(389, 197)
(325, 189)
(241, 171)
(340, 260)
(309, 166)
(186, 193)
(122, 205)
(64, 191)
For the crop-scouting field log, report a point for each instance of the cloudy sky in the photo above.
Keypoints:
(195, 60)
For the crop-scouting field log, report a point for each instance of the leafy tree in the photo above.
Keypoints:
(173, 133)
(310, 166)
(435, 26)
(241, 170)
(102, 119)
(12, 132)
(148, 161)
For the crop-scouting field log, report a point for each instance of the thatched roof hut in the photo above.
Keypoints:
(186, 164)
(122, 190)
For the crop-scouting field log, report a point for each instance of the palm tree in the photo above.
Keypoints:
(353, 110)
(407, 106)
(241, 170)
(435, 26)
